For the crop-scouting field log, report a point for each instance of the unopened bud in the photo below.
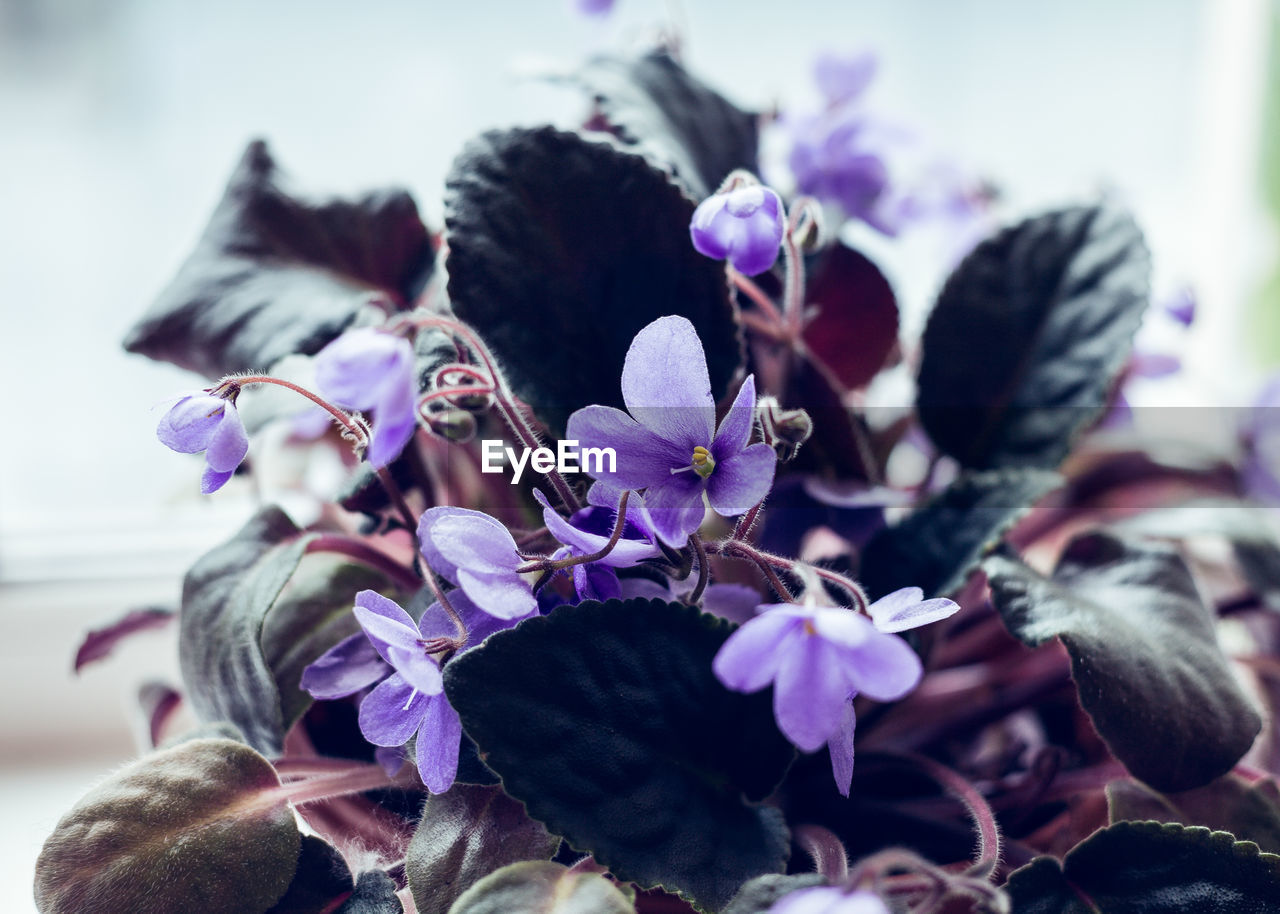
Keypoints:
(785, 429)
(453, 425)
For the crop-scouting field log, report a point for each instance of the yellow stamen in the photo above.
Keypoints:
(703, 463)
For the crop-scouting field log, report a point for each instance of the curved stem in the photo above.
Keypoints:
(745, 522)
(739, 549)
(704, 570)
(829, 857)
(984, 820)
(560, 564)
(234, 383)
(363, 552)
(751, 290)
(339, 784)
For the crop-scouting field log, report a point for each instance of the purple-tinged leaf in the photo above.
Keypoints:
(464, 835)
(611, 254)
(652, 103)
(856, 325)
(100, 642)
(275, 274)
(158, 703)
(1145, 868)
(1028, 335)
(191, 828)
(1144, 655)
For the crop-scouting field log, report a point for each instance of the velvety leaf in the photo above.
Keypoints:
(556, 237)
(542, 887)
(606, 721)
(275, 274)
(226, 597)
(856, 324)
(939, 544)
(375, 893)
(1149, 868)
(464, 835)
(1144, 655)
(655, 104)
(1028, 335)
(761, 893)
(311, 615)
(1243, 525)
(1251, 812)
(193, 828)
(100, 642)
(320, 879)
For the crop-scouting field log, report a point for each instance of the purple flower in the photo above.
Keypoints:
(667, 443)
(210, 424)
(839, 158)
(594, 7)
(743, 225)
(369, 369)
(829, 899)
(1181, 306)
(588, 531)
(819, 657)
(842, 78)
(408, 700)
(476, 552)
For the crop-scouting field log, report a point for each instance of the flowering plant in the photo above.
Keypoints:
(632, 685)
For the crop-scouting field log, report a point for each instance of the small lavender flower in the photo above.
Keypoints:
(588, 531)
(211, 424)
(371, 370)
(819, 657)
(667, 442)
(743, 225)
(476, 552)
(842, 78)
(408, 701)
(838, 157)
(594, 7)
(829, 899)
(1181, 306)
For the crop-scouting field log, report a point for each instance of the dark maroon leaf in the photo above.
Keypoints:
(1144, 655)
(1149, 868)
(99, 642)
(158, 702)
(275, 274)
(1251, 812)
(655, 104)
(1028, 335)
(561, 249)
(856, 325)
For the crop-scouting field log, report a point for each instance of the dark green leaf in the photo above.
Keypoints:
(759, 895)
(226, 597)
(1246, 527)
(652, 102)
(320, 878)
(311, 615)
(542, 887)
(375, 893)
(194, 828)
(1143, 652)
(464, 835)
(607, 722)
(1028, 335)
(1149, 868)
(553, 237)
(1251, 812)
(275, 274)
(941, 542)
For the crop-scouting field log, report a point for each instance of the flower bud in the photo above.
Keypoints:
(453, 425)
(743, 225)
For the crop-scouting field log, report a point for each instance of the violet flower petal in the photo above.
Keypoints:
(349, 666)
(228, 444)
(666, 387)
(643, 457)
(735, 428)
(395, 424)
(626, 553)
(392, 712)
(437, 747)
(503, 596)
(810, 691)
(479, 544)
(843, 77)
(676, 507)
(359, 367)
(840, 748)
(190, 423)
(904, 609)
(751, 656)
(741, 482)
(211, 480)
(735, 602)
(885, 668)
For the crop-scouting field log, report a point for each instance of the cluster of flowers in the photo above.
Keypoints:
(671, 456)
